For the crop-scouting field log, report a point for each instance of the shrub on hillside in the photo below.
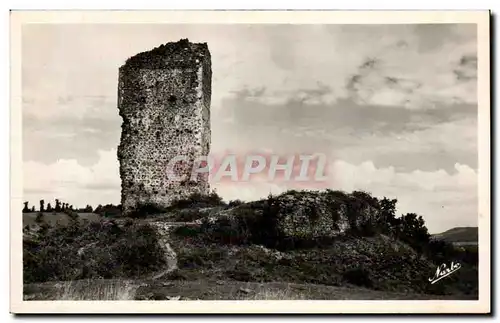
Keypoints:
(358, 276)
(300, 219)
(145, 209)
(73, 215)
(202, 257)
(187, 231)
(87, 209)
(378, 262)
(197, 200)
(188, 215)
(441, 251)
(248, 224)
(413, 231)
(226, 230)
(235, 203)
(109, 210)
(288, 221)
(91, 250)
(469, 255)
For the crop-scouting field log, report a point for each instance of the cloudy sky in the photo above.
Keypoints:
(393, 106)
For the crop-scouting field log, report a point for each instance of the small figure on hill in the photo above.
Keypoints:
(25, 209)
(58, 206)
(33, 208)
(42, 203)
(49, 207)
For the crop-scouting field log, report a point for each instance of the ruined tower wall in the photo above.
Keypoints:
(164, 101)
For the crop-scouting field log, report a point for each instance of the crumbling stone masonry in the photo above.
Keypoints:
(164, 101)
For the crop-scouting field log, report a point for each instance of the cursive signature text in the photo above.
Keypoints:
(443, 271)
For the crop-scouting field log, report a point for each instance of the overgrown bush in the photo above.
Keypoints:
(188, 215)
(187, 231)
(227, 231)
(247, 225)
(109, 210)
(73, 215)
(145, 209)
(383, 252)
(265, 222)
(198, 200)
(440, 251)
(91, 250)
(204, 258)
(235, 203)
(358, 276)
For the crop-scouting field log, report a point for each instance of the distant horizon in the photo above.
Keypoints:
(94, 207)
(394, 107)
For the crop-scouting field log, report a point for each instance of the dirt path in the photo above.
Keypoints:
(164, 229)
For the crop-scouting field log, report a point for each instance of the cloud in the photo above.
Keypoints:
(70, 87)
(68, 180)
(407, 139)
(71, 137)
(435, 62)
(412, 66)
(433, 147)
(414, 80)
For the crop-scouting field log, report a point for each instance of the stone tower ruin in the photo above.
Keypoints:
(164, 101)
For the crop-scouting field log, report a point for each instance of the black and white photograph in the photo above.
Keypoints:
(219, 159)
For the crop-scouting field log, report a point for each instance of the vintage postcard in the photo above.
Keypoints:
(281, 162)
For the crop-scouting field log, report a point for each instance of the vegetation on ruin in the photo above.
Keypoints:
(327, 238)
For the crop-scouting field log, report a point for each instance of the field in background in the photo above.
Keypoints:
(53, 218)
(460, 236)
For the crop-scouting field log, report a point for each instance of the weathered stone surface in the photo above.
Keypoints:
(309, 214)
(164, 100)
(306, 214)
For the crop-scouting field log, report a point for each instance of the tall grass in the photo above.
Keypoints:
(86, 290)
(268, 293)
(276, 295)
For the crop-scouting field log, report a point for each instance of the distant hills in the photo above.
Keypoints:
(458, 235)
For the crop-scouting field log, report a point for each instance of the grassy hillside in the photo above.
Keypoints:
(91, 250)
(328, 241)
(462, 234)
(377, 263)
